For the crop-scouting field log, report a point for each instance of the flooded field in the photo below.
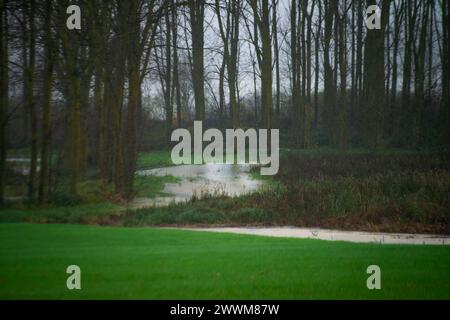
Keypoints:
(337, 235)
(198, 180)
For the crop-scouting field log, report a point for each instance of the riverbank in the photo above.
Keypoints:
(402, 192)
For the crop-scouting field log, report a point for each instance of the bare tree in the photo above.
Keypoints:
(46, 104)
(374, 78)
(4, 97)
(262, 15)
(197, 14)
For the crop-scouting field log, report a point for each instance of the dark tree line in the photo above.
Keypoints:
(76, 99)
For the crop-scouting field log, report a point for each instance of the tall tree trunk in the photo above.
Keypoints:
(430, 54)
(295, 83)
(343, 139)
(99, 47)
(277, 61)
(29, 12)
(406, 119)
(335, 106)
(168, 80)
(114, 96)
(307, 104)
(100, 138)
(303, 113)
(233, 62)
(70, 44)
(419, 90)
(229, 32)
(388, 63)
(317, 66)
(176, 81)
(85, 89)
(46, 106)
(359, 70)
(353, 67)
(197, 14)
(74, 127)
(133, 63)
(222, 94)
(393, 117)
(374, 64)
(262, 22)
(106, 142)
(4, 96)
(329, 90)
(445, 97)
(255, 92)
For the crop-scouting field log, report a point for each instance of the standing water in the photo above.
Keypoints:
(197, 180)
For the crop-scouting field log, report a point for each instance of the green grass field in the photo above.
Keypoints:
(144, 263)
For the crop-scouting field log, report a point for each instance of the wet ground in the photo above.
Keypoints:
(200, 180)
(235, 180)
(337, 235)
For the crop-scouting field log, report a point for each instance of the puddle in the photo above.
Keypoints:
(212, 179)
(336, 235)
(22, 165)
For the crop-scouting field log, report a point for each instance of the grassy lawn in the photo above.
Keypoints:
(147, 263)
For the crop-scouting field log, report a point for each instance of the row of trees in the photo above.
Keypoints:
(102, 65)
(311, 68)
(340, 81)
